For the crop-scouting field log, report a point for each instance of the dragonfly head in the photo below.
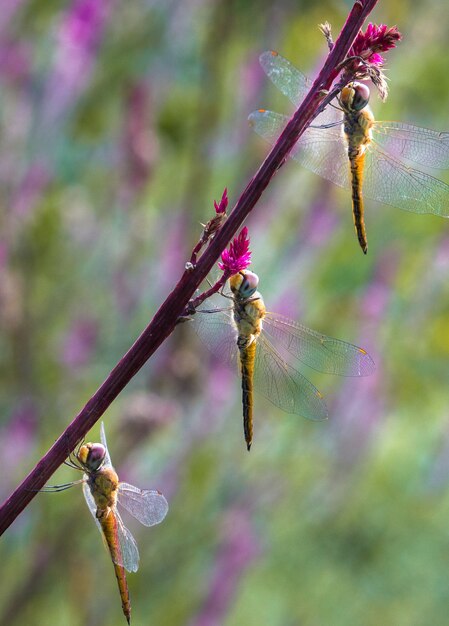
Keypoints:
(91, 455)
(355, 96)
(244, 284)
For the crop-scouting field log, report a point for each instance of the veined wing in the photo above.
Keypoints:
(149, 507)
(316, 350)
(128, 546)
(216, 329)
(387, 180)
(107, 458)
(124, 550)
(91, 504)
(420, 145)
(285, 76)
(292, 83)
(284, 386)
(321, 150)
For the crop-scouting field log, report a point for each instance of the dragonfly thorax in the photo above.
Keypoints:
(358, 119)
(103, 485)
(248, 315)
(357, 130)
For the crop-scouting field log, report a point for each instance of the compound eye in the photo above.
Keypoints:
(92, 455)
(361, 96)
(249, 283)
(96, 455)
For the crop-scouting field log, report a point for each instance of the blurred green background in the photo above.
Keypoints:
(120, 123)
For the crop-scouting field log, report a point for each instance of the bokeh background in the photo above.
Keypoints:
(120, 123)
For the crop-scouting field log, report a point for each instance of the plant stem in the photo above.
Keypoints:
(167, 316)
(194, 304)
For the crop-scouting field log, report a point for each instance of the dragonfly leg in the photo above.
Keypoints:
(57, 488)
(349, 60)
(72, 457)
(71, 463)
(225, 295)
(183, 318)
(330, 125)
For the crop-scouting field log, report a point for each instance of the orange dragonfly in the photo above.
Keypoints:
(245, 334)
(103, 491)
(380, 154)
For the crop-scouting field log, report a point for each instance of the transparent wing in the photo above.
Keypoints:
(284, 386)
(107, 458)
(389, 181)
(321, 150)
(285, 76)
(91, 504)
(420, 145)
(267, 124)
(149, 507)
(128, 546)
(324, 152)
(216, 329)
(318, 351)
(292, 83)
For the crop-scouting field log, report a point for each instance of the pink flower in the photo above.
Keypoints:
(374, 40)
(238, 256)
(223, 204)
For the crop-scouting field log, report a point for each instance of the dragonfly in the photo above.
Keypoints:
(348, 147)
(102, 492)
(245, 334)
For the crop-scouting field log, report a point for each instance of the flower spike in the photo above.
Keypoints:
(221, 206)
(238, 256)
(364, 61)
(374, 40)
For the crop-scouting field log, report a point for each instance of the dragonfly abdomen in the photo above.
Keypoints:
(247, 359)
(358, 210)
(108, 523)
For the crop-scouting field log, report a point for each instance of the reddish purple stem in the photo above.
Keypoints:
(196, 250)
(193, 304)
(174, 306)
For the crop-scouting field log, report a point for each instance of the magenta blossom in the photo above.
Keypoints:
(238, 256)
(223, 204)
(374, 40)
